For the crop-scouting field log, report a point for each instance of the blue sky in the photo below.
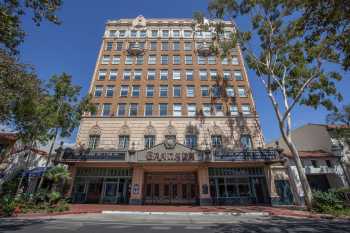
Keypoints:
(73, 46)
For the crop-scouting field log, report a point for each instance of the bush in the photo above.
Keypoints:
(8, 205)
(54, 197)
(327, 202)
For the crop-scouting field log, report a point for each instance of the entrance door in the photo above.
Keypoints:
(94, 191)
(116, 191)
(284, 192)
(170, 188)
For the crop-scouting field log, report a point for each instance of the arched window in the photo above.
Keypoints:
(94, 141)
(246, 141)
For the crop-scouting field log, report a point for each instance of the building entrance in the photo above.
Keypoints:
(170, 188)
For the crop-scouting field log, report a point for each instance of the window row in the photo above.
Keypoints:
(163, 91)
(207, 109)
(166, 60)
(165, 33)
(166, 74)
(191, 140)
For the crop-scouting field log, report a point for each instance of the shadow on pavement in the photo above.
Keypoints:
(11, 224)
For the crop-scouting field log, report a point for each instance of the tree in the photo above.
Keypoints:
(290, 68)
(66, 109)
(341, 117)
(58, 175)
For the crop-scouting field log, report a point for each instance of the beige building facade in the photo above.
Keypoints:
(175, 123)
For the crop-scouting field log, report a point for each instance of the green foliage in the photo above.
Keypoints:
(8, 205)
(57, 174)
(11, 12)
(325, 202)
(54, 197)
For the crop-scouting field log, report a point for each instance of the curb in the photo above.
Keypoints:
(186, 213)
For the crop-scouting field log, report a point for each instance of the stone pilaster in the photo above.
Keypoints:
(136, 195)
(204, 187)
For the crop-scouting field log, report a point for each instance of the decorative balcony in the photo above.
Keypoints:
(223, 154)
(92, 155)
(135, 49)
(204, 50)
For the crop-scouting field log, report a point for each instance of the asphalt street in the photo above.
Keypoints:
(100, 223)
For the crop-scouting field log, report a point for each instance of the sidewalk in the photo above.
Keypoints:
(268, 210)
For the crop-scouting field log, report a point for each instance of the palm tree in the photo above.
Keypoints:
(58, 176)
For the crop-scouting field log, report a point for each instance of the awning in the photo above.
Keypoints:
(35, 172)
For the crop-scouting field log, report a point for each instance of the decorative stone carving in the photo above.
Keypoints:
(150, 130)
(95, 130)
(170, 130)
(217, 130)
(139, 21)
(192, 130)
(124, 130)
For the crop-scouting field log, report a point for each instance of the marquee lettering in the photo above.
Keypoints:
(169, 156)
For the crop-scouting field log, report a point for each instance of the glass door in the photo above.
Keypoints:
(110, 194)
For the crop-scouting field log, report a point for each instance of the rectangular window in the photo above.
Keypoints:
(238, 75)
(233, 110)
(189, 75)
(188, 59)
(329, 163)
(201, 60)
(109, 91)
(133, 109)
(205, 91)
(165, 33)
(152, 59)
(163, 91)
(133, 33)
(163, 109)
(139, 60)
(176, 46)
(151, 74)
(241, 92)
(137, 75)
(102, 75)
(105, 59)
(135, 91)
(216, 140)
(116, 60)
(163, 75)
(113, 75)
(150, 140)
(154, 33)
(165, 46)
(112, 33)
(149, 91)
(119, 46)
(153, 46)
(128, 60)
(187, 34)
(224, 61)
(176, 33)
(235, 60)
(124, 91)
(213, 75)
(176, 60)
(227, 75)
(94, 113)
(219, 111)
(203, 75)
(245, 109)
(177, 110)
(164, 59)
(148, 109)
(176, 74)
(188, 46)
(109, 46)
(143, 34)
(230, 91)
(206, 109)
(314, 163)
(106, 109)
(121, 110)
(98, 91)
(191, 109)
(127, 75)
(191, 141)
(94, 141)
(215, 91)
(190, 91)
(211, 60)
(124, 141)
(177, 91)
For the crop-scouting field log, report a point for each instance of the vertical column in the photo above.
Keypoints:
(203, 183)
(136, 187)
(72, 171)
(271, 187)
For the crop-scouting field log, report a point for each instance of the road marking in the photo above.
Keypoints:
(160, 228)
(194, 228)
(119, 227)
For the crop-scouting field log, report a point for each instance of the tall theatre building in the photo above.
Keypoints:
(175, 124)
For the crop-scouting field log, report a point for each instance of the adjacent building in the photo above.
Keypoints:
(175, 124)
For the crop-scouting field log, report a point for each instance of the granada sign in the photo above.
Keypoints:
(169, 156)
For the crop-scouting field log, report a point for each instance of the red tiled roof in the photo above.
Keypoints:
(338, 126)
(310, 154)
(8, 136)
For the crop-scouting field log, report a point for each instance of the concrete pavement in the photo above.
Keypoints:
(100, 223)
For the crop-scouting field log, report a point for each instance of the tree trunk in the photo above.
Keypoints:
(303, 179)
(48, 160)
(25, 169)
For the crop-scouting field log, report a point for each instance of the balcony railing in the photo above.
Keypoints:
(108, 155)
(222, 154)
